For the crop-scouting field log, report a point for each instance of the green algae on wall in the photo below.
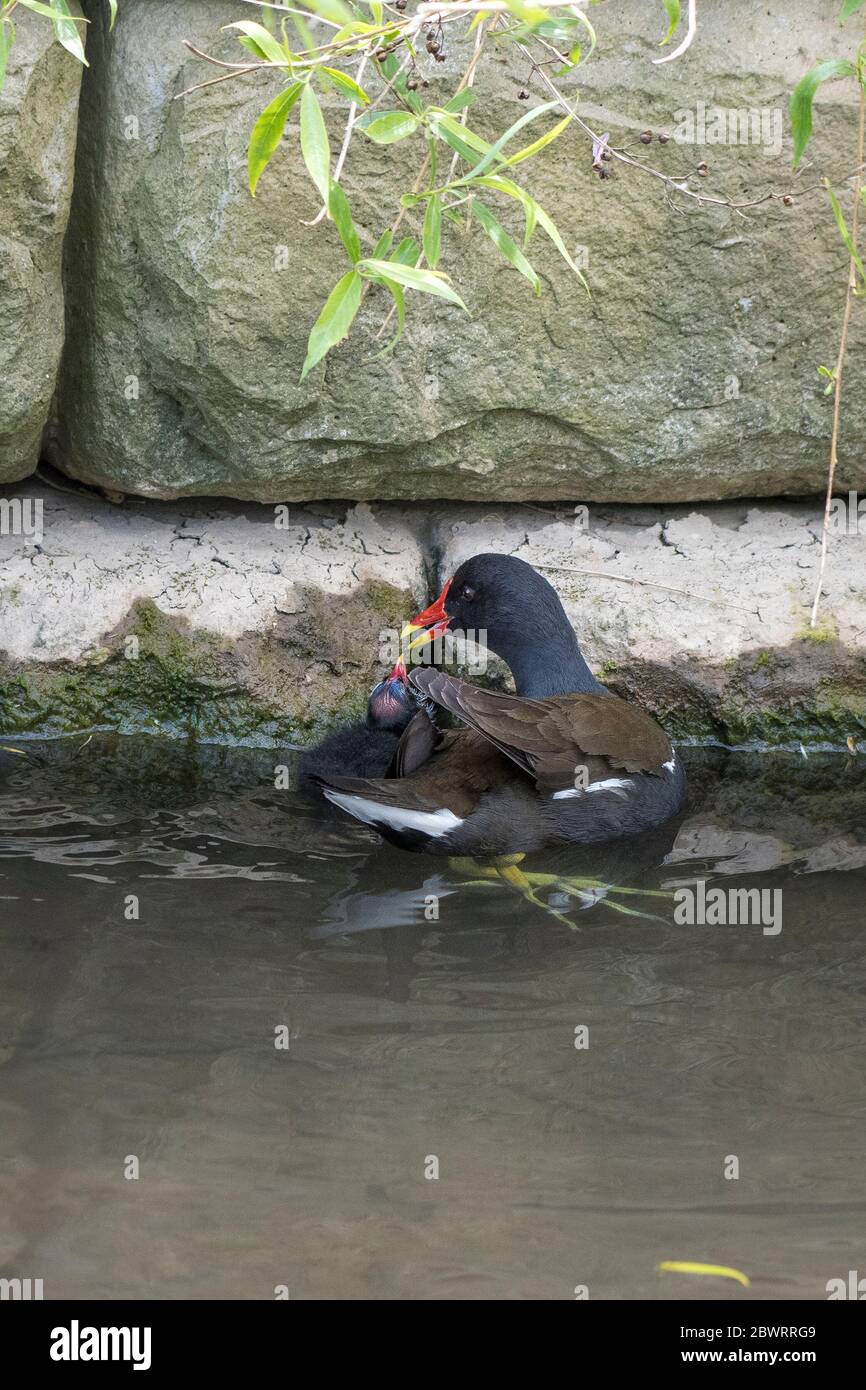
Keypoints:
(156, 674)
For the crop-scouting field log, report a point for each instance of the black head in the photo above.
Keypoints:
(508, 607)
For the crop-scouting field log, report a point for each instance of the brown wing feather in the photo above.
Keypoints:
(458, 774)
(549, 738)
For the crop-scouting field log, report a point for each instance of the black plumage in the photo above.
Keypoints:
(562, 760)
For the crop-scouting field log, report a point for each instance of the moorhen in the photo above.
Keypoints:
(561, 761)
(373, 749)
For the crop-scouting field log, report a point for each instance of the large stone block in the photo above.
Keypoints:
(38, 114)
(689, 374)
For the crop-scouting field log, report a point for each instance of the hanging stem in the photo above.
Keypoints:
(843, 347)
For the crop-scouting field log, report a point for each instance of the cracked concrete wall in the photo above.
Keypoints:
(689, 374)
(256, 624)
(38, 116)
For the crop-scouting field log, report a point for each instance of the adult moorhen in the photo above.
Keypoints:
(562, 761)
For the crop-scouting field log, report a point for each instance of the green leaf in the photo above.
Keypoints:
(432, 238)
(347, 85)
(112, 5)
(428, 281)
(572, 60)
(334, 10)
(341, 215)
(459, 137)
(407, 252)
(460, 101)
(529, 14)
(529, 150)
(673, 9)
(389, 128)
(335, 320)
(849, 7)
(803, 95)
(493, 150)
(500, 238)
(267, 132)
(39, 8)
(843, 230)
(314, 142)
(539, 216)
(7, 38)
(260, 41)
(66, 30)
(383, 245)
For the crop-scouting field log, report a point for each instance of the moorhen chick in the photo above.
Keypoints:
(371, 749)
(561, 761)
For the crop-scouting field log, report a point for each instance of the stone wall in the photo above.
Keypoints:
(248, 630)
(689, 374)
(38, 123)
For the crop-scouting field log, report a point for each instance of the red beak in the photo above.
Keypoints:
(399, 671)
(433, 619)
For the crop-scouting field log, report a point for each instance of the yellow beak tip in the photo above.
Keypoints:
(409, 629)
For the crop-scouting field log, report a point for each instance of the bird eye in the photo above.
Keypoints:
(467, 591)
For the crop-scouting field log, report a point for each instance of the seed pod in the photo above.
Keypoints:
(412, 85)
(646, 137)
(788, 200)
(523, 94)
(663, 139)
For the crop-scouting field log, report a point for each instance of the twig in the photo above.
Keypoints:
(690, 34)
(668, 180)
(650, 584)
(840, 359)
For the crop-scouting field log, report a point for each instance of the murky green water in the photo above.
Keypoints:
(414, 1039)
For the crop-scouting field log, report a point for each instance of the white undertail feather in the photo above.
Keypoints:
(432, 823)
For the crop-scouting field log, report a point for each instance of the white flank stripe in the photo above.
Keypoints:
(618, 785)
(433, 823)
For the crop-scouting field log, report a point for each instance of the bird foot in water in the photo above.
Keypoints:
(504, 869)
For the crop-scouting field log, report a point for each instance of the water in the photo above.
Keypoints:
(411, 1039)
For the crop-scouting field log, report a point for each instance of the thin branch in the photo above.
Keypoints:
(643, 168)
(650, 584)
(690, 34)
(843, 346)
